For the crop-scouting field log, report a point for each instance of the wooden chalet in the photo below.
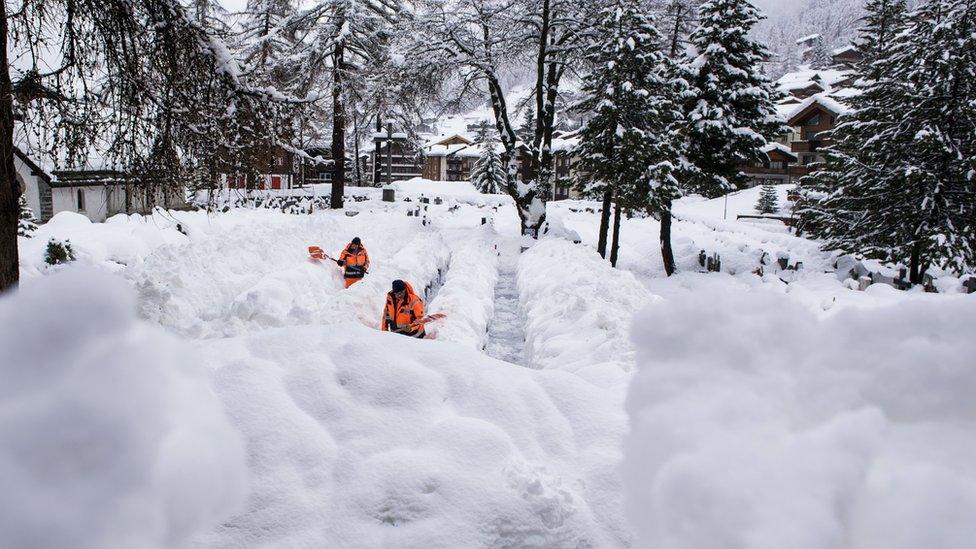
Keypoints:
(320, 169)
(277, 169)
(450, 159)
(848, 56)
(777, 168)
(811, 123)
(391, 152)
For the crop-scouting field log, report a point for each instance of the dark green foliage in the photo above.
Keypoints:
(58, 252)
(27, 224)
(900, 181)
(768, 202)
(730, 104)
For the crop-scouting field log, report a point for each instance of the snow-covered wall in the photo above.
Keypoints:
(578, 310)
(757, 423)
(467, 296)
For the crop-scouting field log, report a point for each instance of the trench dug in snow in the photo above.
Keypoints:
(506, 332)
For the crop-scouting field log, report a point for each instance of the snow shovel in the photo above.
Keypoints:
(316, 253)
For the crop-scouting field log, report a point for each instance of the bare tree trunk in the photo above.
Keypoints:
(355, 160)
(338, 131)
(616, 235)
(9, 189)
(601, 245)
(917, 265)
(667, 254)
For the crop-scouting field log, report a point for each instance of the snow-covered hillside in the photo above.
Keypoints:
(256, 405)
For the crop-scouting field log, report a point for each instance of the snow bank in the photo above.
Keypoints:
(359, 438)
(467, 296)
(758, 424)
(418, 186)
(107, 437)
(578, 310)
(237, 278)
(119, 242)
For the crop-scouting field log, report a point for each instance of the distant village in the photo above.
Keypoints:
(443, 150)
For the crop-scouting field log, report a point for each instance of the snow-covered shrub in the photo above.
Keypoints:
(58, 252)
(756, 424)
(26, 223)
(110, 436)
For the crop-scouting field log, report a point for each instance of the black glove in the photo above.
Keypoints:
(340, 262)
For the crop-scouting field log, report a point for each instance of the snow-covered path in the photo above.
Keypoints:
(506, 332)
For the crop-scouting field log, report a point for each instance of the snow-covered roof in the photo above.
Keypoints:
(462, 150)
(807, 38)
(845, 49)
(785, 110)
(779, 147)
(821, 99)
(844, 93)
(828, 79)
(799, 85)
(430, 139)
(564, 144)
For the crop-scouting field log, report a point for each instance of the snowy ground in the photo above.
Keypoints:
(783, 410)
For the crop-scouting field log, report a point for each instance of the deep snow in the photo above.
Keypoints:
(783, 410)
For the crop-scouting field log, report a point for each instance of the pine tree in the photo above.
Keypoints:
(27, 223)
(488, 175)
(730, 105)
(899, 182)
(768, 202)
(883, 20)
(627, 151)
(819, 55)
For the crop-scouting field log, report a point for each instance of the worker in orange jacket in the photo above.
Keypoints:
(404, 311)
(355, 262)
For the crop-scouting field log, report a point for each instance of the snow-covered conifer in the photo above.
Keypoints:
(488, 175)
(627, 152)
(730, 105)
(819, 56)
(27, 223)
(900, 183)
(768, 202)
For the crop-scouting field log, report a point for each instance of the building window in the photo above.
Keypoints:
(81, 200)
(813, 120)
(776, 164)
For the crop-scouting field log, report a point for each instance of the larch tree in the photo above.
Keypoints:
(343, 47)
(627, 151)
(730, 105)
(143, 82)
(478, 40)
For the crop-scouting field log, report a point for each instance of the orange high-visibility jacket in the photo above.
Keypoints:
(357, 263)
(403, 315)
